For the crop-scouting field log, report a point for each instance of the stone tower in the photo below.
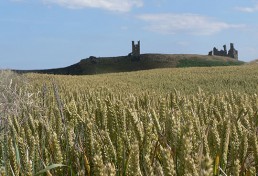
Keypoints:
(135, 54)
(225, 49)
(136, 49)
(232, 52)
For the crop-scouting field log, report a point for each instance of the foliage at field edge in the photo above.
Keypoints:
(81, 129)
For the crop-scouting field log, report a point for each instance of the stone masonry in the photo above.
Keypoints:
(135, 54)
(232, 52)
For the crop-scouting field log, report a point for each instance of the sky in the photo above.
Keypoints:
(42, 34)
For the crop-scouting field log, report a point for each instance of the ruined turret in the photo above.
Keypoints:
(233, 52)
(135, 51)
(225, 49)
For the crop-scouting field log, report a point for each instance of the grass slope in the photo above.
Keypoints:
(253, 62)
(147, 61)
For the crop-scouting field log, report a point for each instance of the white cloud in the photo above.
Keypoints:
(184, 23)
(248, 9)
(112, 5)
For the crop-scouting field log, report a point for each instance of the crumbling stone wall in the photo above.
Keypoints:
(232, 52)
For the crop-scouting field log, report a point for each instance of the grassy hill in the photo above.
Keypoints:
(102, 65)
(253, 62)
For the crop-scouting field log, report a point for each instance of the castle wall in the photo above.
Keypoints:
(232, 52)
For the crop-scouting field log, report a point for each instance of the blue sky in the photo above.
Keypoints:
(37, 34)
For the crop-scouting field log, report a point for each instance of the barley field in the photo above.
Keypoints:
(171, 122)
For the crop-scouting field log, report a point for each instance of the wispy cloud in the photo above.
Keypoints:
(111, 5)
(248, 9)
(184, 23)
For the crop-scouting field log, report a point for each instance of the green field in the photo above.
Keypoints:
(177, 121)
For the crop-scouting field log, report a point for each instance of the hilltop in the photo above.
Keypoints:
(253, 62)
(94, 65)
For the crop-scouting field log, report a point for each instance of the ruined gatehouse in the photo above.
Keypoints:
(136, 52)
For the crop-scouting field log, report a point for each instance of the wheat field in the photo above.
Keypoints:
(191, 121)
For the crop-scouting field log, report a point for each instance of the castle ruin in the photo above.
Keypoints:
(232, 52)
(135, 54)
